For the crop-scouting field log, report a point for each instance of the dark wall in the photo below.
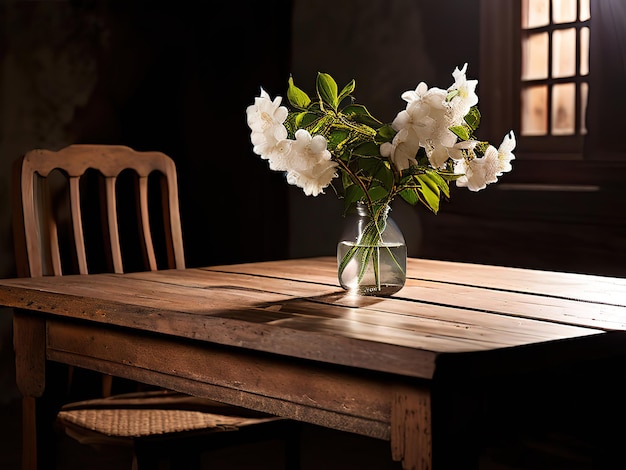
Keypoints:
(170, 76)
(194, 72)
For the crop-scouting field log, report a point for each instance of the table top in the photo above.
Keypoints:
(296, 308)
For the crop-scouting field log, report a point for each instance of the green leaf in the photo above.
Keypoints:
(360, 114)
(298, 98)
(367, 149)
(337, 137)
(461, 132)
(385, 133)
(347, 90)
(327, 90)
(410, 195)
(368, 165)
(428, 197)
(321, 125)
(354, 110)
(353, 194)
(305, 119)
(441, 182)
(385, 176)
(427, 182)
(377, 193)
(473, 118)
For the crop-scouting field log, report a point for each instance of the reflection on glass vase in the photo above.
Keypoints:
(371, 254)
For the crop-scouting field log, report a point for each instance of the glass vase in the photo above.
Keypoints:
(371, 254)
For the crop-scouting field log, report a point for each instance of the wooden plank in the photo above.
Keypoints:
(521, 305)
(343, 391)
(342, 422)
(322, 270)
(428, 327)
(586, 287)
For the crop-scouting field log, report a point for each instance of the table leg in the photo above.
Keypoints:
(29, 342)
(411, 437)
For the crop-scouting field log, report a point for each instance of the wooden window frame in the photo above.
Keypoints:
(545, 159)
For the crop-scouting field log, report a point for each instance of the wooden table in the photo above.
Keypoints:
(282, 337)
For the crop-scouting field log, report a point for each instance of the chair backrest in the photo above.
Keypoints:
(90, 190)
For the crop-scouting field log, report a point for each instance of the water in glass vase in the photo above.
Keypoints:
(373, 270)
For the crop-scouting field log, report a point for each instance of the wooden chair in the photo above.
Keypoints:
(100, 208)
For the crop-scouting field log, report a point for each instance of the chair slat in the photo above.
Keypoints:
(114, 231)
(50, 237)
(171, 218)
(145, 222)
(77, 225)
(32, 234)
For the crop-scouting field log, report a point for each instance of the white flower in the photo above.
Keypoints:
(265, 119)
(265, 113)
(458, 150)
(415, 95)
(466, 96)
(265, 143)
(505, 153)
(424, 123)
(278, 155)
(309, 164)
(430, 116)
(478, 172)
(403, 149)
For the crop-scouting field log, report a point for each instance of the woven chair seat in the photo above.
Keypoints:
(136, 415)
(148, 422)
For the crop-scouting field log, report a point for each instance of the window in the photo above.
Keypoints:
(554, 67)
(553, 70)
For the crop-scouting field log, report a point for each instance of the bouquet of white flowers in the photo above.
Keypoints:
(333, 139)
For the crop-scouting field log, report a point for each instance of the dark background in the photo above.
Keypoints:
(177, 76)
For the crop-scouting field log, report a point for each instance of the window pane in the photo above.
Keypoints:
(564, 109)
(584, 51)
(535, 13)
(534, 110)
(564, 53)
(535, 57)
(585, 12)
(584, 94)
(564, 11)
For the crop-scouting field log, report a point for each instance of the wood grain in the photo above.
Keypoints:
(282, 337)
